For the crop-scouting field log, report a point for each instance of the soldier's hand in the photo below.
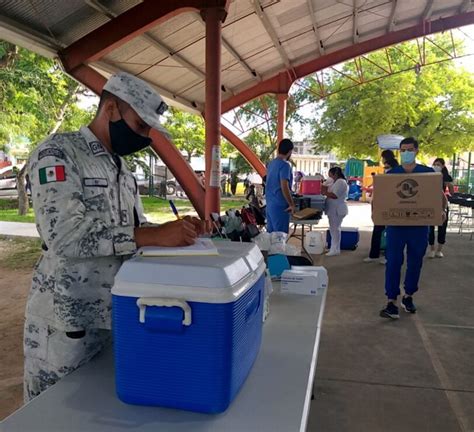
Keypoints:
(177, 233)
(201, 227)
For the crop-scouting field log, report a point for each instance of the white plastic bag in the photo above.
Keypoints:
(262, 241)
(292, 250)
(278, 242)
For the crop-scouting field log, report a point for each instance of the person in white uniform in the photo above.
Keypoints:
(336, 189)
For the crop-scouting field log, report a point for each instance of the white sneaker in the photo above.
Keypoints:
(333, 253)
(439, 254)
(431, 254)
(369, 260)
(383, 260)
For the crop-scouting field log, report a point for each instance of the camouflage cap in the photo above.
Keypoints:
(140, 96)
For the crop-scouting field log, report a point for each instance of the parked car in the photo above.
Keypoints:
(144, 185)
(7, 178)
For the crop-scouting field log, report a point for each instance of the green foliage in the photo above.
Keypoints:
(36, 97)
(9, 212)
(434, 105)
(261, 116)
(187, 132)
(158, 210)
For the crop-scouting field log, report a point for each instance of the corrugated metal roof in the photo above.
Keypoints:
(172, 56)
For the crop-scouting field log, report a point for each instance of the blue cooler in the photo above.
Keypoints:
(349, 238)
(187, 329)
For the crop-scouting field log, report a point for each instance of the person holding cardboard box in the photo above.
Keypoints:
(410, 230)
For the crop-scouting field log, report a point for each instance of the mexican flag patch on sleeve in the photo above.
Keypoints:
(52, 174)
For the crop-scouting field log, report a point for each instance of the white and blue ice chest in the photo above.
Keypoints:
(187, 330)
(349, 238)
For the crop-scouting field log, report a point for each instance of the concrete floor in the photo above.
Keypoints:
(414, 374)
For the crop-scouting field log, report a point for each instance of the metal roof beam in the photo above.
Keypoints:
(239, 59)
(127, 26)
(18, 34)
(466, 6)
(355, 23)
(233, 53)
(111, 68)
(428, 10)
(315, 27)
(271, 32)
(391, 19)
(151, 40)
(275, 83)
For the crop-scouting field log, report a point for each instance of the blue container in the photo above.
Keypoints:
(349, 238)
(187, 330)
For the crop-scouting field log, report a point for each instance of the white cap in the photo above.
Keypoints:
(146, 102)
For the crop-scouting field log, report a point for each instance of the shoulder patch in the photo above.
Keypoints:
(51, 151)
(96, 147)
(52, 174)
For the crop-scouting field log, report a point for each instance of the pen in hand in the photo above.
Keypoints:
(174, 209)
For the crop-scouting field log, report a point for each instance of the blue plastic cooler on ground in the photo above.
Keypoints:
(187, 330)
(349, 238)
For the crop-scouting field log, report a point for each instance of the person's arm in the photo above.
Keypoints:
(285, 188)
(337, 189)
(450, 187)
(181, 232)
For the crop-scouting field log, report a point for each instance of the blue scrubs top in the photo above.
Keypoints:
(277, 218)
(277, 170)
(418, 169)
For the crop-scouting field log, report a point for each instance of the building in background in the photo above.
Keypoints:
(310, 163)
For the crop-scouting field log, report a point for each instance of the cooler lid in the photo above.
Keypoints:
(208, 279)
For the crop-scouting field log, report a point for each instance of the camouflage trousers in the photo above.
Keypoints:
(51, 354)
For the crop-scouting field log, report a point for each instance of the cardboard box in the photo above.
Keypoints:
(304, 280)
(408, 199)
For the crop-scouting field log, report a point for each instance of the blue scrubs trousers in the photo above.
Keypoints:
(415, 238)
(277, 218)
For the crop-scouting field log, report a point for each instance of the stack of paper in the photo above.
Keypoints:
(202, 246)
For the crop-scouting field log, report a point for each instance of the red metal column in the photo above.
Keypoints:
(165, 149)
(246, 152)
(281, 119)
(212, 112)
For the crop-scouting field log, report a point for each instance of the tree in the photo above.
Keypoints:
(433, 103)
(36, 99)
(261, 114)
(187, 132)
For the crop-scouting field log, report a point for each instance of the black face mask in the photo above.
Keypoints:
(124, 139)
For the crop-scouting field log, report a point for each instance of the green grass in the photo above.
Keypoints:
(156, 209)
(9, 212)
(19, 253)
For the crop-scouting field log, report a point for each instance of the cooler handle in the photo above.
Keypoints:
(143, 302)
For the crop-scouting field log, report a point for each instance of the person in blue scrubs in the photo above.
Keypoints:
(414, 238)
(280, 204)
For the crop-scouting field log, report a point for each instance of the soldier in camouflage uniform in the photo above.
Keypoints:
(90, 219)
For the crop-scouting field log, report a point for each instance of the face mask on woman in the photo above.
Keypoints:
(437, 168)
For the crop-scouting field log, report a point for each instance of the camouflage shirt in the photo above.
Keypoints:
(86, 205)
